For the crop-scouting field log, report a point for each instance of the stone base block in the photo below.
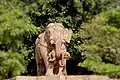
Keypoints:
(69, 77)
(55, 78)
(39, 78)
(94, 77)
(27, 78)
(87, 77)
(77, 77)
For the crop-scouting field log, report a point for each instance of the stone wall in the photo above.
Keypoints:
(70, 77)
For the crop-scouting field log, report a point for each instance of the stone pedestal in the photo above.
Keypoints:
(69, 77)
(27, 78)
(55, 77)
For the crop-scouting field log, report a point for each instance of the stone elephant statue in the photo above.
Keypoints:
(51, 52)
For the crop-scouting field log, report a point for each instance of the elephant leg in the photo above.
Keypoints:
(62, 68)
(56, 68)
(48, 64)
(38, 73)
(40, 68)
(50, 69)
(39, 62)
(60, 71)
(64, 71)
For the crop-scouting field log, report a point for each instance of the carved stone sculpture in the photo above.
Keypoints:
(51, 53)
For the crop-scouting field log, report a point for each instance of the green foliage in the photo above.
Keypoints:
(12, 63)
(15, 28)
(100, 67)
(69, 12)
(100, 38)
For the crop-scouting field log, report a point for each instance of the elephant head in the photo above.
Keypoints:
(56, 31)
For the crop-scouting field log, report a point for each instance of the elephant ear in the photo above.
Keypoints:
(50, 25)
(67, 35)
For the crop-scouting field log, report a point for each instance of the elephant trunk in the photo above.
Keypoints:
(60, 48)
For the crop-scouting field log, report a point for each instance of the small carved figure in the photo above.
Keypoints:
(51, 53)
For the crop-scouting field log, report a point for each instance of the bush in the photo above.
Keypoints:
(100, 47)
